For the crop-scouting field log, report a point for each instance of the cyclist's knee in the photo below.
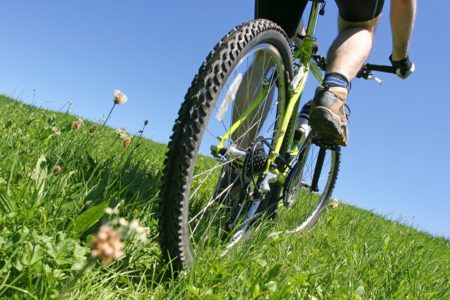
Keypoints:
(369, 25)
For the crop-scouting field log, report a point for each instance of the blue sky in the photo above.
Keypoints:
(397, 163)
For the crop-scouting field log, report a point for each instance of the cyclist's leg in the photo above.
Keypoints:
(249, 88)
(357, 22)
(352, 47)
(286, 14)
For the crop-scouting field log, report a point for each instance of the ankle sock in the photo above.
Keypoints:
(334, 79)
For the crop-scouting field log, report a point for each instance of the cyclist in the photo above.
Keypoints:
(347, 54)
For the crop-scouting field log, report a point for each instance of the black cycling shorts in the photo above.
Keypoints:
(359, 10)
(287, 13)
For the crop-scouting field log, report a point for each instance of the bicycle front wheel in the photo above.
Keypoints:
(234, 107)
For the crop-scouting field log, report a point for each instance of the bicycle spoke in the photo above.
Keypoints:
(217, 192)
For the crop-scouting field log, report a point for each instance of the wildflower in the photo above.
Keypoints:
(126, 141)
(121, 133)
(107, 245)
(57, 169)
(134, 224)
(112, 211)
(109, 211)
(77, 124)
(139, 231)
(56, 130)
(123, 222)
(142, 130)
(119, 97)
(334, 203)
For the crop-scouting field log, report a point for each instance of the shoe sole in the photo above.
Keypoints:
(328, 126)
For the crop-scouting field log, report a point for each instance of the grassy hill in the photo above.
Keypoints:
(59, 174)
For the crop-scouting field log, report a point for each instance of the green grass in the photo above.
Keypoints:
(47, 220)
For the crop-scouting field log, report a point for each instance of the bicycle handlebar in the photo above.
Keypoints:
(366, 70)
(380, 68)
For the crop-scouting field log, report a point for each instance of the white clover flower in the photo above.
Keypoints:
(56, 130)
(119, 97)
(139, 231)
(111, 211)
(134, 224)
(77, 124)
(121, 133)
(334, 203)
(123, 222)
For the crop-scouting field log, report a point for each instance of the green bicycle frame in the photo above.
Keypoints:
(297, 85)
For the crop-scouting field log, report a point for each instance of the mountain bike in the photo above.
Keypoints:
(239, 151)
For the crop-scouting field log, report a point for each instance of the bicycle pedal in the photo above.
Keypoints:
(323, 143)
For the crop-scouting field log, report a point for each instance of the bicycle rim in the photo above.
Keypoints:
(309, 187)
(206, 194)
(218, 212)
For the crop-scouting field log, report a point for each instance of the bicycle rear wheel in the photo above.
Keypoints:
(309, 186)
(204, 196)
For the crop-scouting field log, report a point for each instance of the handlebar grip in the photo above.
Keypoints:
(379, 68)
